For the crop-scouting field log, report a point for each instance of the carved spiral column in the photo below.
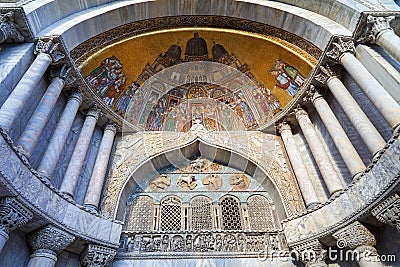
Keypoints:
(95, 187)
(78, 156)
(31, 134)
(12, 216)
(346, 149)
(361, 241)
(378, 31)
(325, 166)
(311, 254)
(46, 243)
(11, 109)
(367, 131)
(53, 151)
(97, 256)
(307, 189)
(342, 52)
(389, 211)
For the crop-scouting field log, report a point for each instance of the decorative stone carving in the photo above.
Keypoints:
(340, 46)
(198, 165)
(50, 239)
(375, 27)
(239, 181)
(311, 253)
(9, 29)
(160, 183)
(327, 72)
(389, 211)
(51, 48)
(212, 182)
(12, 214)
(65, 73)
(97, 256)
(94, 112)
(186, 181)
(355, 236)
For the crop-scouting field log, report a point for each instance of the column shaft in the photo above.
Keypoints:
(13, 106)
(381, 99)
(367, 131)
(303, 179)
(325, 166)
(389, 41)
(49, 161)
(78, 156)
(42, 258)
(346, 149)
(31, 134)
(3, 238)
(93, 193)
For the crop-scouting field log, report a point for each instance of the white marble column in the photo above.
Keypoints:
(303, 179)
(382, 100)
(33, 130)
(346, 149)
(367, 131)
(53, 151)
(325, 165)
(71, 176)
(95, 187)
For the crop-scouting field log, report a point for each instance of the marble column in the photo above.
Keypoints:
(33, 130)
(311, 254)
(346, 149)
(16, 102)
(53, 151)
(71, 176)
(382, 100)
(357, 238)
(325, 165)
(12, 215)
(388, 211)
(303, 179)
(367, 131)
(97, 256)
(95, 187)
(46, 243)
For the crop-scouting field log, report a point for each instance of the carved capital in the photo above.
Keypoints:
(50, 238)
(77, 95)
(353, 236)
(326, 73)
(12, 214)
(284, 126)
(97, 256)
(374, 28)
(111, 126)
(339, 47)
(64, 72)
(94, 112)
(389, 211)
(51, 48)
(311, 253)
(9, 28)
(299, 112)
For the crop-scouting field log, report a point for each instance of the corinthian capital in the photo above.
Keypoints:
(10, 31)
(389, 211)
(327, 72)
(64, 72)
(353, 236)
(374, 28)
(51, 48)
(340, 46)
(12, 214)
(97, 256)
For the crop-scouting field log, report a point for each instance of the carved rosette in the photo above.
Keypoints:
(375, 27)
(97, 256)
(51, 48)
(340, 46)
(311, 253)
(12, 215)
(389, 211)
(64, 72)
(49, 239)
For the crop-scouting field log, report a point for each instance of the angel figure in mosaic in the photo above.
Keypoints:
(288, 77)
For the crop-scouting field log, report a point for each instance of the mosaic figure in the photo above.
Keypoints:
(288, 78)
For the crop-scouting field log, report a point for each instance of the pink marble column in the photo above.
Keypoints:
(325, 165)
(95, 187)
(303, 179)
(71, 176)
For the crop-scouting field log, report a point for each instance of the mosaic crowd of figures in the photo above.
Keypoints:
(190, 241)
(201, 213)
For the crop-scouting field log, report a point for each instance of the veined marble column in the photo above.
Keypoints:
(33, 130)
(46, 243)
(382, 100)
(303, 179)
(325, 166)
(49, 161)
(12, 215)
(97, 256)
(78, 156)
(15, 103)
(367, 131)
(361, 241)
(93, 193)
(346, 149)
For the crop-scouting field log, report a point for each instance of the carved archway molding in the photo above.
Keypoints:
(262, 157)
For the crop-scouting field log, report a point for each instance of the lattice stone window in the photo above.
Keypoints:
(141, 214)
(171, 214)
(201, 218)
(231, 219)
(261, 214)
